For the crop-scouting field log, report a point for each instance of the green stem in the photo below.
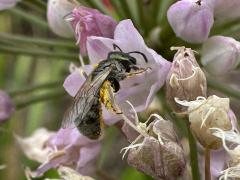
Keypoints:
(223, 88)
(207, 164)
(40, 3)
(193, 153)
(31, 18)
(39, 52)
(37, 41)
(126, 9)
(98, 5)
(117, 8)
(38, 99)
(38, 87)
(34, 7)
(141, 16)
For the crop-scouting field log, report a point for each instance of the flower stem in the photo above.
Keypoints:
(117, 8)
(37, 41)
(193, 153)
(224, 89)
(207, 164)
(38, 87)
(38, 52)
(38, 99)
(31, 18)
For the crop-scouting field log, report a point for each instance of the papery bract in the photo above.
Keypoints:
(90, 22)
(220, 54)
(191, 20)
(6, 106)
(186, 80)
(57, 11)
(6, 4)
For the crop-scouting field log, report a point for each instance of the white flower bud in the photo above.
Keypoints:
(220, 54)
(56, 13)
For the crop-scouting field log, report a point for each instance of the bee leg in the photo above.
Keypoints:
(107, 97)
(114, 84)
(139, 71)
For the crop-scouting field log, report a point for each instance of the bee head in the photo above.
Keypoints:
(122, 56)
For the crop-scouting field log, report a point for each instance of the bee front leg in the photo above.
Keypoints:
(138, 71)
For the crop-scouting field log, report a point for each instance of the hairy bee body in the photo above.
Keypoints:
(85, 113)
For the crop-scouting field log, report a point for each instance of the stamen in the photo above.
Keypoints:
(204, 119)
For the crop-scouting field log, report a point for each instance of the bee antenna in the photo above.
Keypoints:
(137, 52)
(116, 46)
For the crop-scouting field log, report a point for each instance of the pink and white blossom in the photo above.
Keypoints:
(146, 85)
(90, 22)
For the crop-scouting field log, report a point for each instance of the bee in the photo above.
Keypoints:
(99, 87)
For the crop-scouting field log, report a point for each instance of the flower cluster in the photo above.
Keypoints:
(192, 21)
(155, 147)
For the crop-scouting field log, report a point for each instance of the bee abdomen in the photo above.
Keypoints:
(90, 125)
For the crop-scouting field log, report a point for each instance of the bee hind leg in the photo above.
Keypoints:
(107, 97)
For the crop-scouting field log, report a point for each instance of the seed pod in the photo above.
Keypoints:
(186, 80)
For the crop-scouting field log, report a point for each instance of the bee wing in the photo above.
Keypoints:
(84, 99)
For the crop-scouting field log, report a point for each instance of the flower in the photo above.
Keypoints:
(90, 22)
(147, 84)
(34, 147)
(205, 114)
(191, 20)
(220, 54)
(6, 106)
(67, 147)
(6, 4)
(186, 80)
(56, 12)
(156, 151)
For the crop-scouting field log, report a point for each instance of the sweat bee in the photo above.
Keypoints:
(85, 112)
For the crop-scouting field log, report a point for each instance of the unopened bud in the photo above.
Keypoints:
(205, 114)
(57, 11)
(220, 54)
(186, 80)
(191, 20)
